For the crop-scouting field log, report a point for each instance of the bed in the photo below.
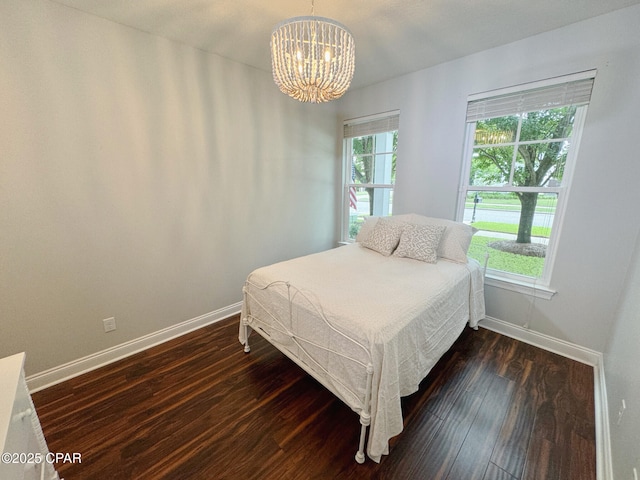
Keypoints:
(369, 320)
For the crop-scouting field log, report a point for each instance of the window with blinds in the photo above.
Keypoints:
(520, 149)
(370, 145)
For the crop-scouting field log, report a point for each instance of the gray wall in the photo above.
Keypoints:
(621, 360)
(142, 179)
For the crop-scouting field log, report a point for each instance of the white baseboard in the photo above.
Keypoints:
(48, 378)
(546, 342)
(604, 466)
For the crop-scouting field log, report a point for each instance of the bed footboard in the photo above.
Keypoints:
(297, 326)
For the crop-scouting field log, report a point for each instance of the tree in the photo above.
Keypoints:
(526, 150)
(363, 164)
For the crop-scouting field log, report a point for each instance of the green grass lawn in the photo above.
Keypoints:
(508, 262)
(511, 228)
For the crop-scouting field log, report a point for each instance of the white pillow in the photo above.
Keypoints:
(456, 239)
(366, 228)
(420, 242)
(384, 236)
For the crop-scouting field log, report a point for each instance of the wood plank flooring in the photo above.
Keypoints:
(198, 407)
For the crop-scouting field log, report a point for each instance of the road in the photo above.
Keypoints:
(488, 215)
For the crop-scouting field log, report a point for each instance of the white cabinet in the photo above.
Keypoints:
(24, 450)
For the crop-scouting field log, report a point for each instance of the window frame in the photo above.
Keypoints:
(538, 286)
(355, 128)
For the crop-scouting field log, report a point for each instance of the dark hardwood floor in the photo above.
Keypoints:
(198, 407)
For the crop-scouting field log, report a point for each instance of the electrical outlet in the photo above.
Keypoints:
(109, 324)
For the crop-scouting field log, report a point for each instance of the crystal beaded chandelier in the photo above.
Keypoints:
(313, 58)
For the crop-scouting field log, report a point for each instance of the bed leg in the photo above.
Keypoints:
(245, 322)
(245, 325)
(365, 415)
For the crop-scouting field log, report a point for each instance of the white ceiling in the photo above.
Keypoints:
(393, 37)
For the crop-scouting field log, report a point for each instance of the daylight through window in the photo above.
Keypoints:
(520, 150)
(369, 169)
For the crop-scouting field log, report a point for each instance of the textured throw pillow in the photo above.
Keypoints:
(456, 239)
(420, 242)
(384, 236)
(370, 222)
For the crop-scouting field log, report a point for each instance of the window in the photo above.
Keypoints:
(520, 149)
(370, 145)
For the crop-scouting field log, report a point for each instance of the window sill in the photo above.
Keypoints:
(529, 288)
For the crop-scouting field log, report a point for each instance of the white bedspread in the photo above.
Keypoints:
(406, 314)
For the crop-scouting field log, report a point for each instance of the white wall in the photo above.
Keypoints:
(142, 179)
(621, 360)
(601, 221)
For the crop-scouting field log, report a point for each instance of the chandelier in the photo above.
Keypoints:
(313, 58)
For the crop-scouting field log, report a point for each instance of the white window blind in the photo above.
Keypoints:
(371, 127)
(500, 104)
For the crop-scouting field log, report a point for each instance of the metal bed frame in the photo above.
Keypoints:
(308, 361)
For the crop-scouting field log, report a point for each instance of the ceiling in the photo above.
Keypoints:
(393, 37)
